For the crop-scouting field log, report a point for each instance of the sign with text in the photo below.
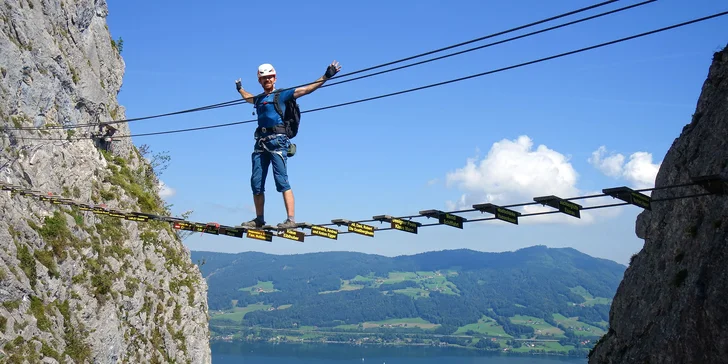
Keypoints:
(641, 200)
(361, 229)
(445, 218)
(184, 225)
(325, 232)
(506, 215)
(630, 196)
(213, 229)
(116, 214)
(570, 208)
(136, 217)
(404, 225)
(501, 213)
(292, 234)
(100, 210)
(67, 202)
(451, 220)
(260, 235)
(231, 231)
(564, 206)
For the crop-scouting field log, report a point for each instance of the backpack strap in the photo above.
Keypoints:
(276, 98)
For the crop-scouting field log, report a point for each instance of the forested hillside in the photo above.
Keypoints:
(532, 293)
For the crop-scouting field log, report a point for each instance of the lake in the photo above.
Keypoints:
(259, 353)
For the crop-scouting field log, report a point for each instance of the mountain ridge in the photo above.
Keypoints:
(534, 293)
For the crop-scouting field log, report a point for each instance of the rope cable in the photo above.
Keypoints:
(238, 101)
(624, 39)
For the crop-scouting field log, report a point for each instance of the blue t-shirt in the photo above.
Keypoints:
(266, 111)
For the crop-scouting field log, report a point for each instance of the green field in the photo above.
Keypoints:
(402, 323)
(440, 284)
(540, 327)
(485, 326)
(590, 300)
(345, 286)
(413, 292)
(428, 282)
(238, 313)
(548, 346)
(412, 322)
(261, 287)
(396, 277)
(579, 328)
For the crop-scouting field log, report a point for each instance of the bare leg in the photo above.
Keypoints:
(288, 200)
(259, 201)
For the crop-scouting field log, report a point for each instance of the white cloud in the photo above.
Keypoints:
(514, 172)
(611, 165)
(640, 172)
(165, 191)
(512, 169)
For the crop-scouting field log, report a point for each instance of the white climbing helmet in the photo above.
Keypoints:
(266, 69)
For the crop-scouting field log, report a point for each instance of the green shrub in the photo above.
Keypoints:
(27, 264)
(11, 305)
(56, 233)
(37, 308)
(46, 258)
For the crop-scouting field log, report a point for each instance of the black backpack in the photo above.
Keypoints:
(292, 118)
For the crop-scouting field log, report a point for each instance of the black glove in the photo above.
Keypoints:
(330, 71)
(238, 85)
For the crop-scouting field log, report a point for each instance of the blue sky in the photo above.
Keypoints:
(503, 138)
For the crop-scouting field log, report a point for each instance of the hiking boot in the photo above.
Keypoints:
(253, 224)
(288, 224)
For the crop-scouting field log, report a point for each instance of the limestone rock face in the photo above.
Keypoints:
(75, 286)
(672, 306)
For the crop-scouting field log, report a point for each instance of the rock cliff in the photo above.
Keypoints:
(75, 286)
(671, 306)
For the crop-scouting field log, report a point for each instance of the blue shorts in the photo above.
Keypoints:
(273, 150)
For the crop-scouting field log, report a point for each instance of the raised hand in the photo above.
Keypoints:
(332, 70)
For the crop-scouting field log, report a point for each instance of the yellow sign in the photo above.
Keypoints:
(99, 210)
(184, 225)
(361, 229)
(292, 234)
(134, 217)
(260, 235)
(325, 232)
(404, 225)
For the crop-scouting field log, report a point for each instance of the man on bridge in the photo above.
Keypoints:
(271, 141)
